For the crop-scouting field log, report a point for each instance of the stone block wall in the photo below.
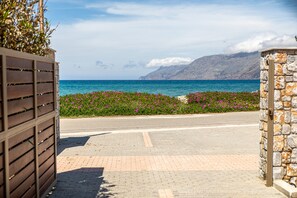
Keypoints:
(285, 113)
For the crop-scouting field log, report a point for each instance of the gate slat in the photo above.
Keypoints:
(45, 125)
(19, 150)
(45, 76)
(18, 63)
(46, 144)
(19, 91)
(19, 77)
(48, 173)
(31, 193)
(19, 191)
(21, 163)
(20, 137)
(45, 134)
(45, 88)
(2, 191)
(45, 99)
(1, 148)
(45, 155)
(16, 106)
(1, 177)
(46, 164)
(45, 66)
(1, 125)
(20, 177)
(45, 109)
(17, 119)
(47, 184)
(1, 162)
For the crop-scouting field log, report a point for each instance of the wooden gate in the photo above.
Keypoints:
(27, 124)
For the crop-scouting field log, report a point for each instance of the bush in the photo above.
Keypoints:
(20, 28)
(111, 103)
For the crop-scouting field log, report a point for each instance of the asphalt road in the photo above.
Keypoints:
(130, 124)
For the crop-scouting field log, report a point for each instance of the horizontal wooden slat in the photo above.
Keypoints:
(21, 149)
(18, 63)
(20, 190)
(45, 88)
(19, 91)
(45, 66)
(20, 105)
(45, 76)
(31, 193)
(20, 118)
(1, 112)
(1, 148)
(45, 109)
(1, 125)
(46, 144)
(45, 155)
(1, 177)
(20, 137)
(19, 77)
(46, 165)
(45, 99)
(1, 161)
(48, 173)
(1, 71)
(21, 163)
(47, 184)
(2, 191)
(21, 176)
(45, 134)
(45, 125)
(14, 53)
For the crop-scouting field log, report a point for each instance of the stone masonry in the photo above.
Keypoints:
(285, 113)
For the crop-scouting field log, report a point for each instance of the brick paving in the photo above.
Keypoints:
(162, 164)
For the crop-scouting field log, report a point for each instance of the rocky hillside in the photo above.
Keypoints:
(215, 67)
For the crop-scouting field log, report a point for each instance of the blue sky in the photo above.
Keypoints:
(127, 39)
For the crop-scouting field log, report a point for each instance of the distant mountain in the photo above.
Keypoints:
(215, 67)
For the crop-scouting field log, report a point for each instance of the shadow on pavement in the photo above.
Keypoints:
(83, 182)
(69, 142)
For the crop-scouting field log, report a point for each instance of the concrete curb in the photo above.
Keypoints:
(285, 188)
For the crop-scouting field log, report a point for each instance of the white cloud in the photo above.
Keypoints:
(132, 31)
(170, 61)
(263, 41)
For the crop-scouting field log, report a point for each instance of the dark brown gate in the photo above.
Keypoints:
(27, 124)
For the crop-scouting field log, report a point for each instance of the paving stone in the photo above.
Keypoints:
(186, 164)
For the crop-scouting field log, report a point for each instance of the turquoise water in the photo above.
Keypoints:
(166, 87)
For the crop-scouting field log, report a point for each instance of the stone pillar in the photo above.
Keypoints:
(285, 113)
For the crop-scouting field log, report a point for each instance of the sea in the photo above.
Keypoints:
(165, 87)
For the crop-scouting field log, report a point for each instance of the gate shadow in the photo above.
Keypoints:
(70, 142)
(83, 182)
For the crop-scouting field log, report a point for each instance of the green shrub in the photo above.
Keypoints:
(20, 28)
(119, 103)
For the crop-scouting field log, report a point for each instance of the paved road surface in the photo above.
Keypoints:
(211, 155)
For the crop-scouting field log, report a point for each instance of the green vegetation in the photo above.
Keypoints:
(119, 103)
(20, 27)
